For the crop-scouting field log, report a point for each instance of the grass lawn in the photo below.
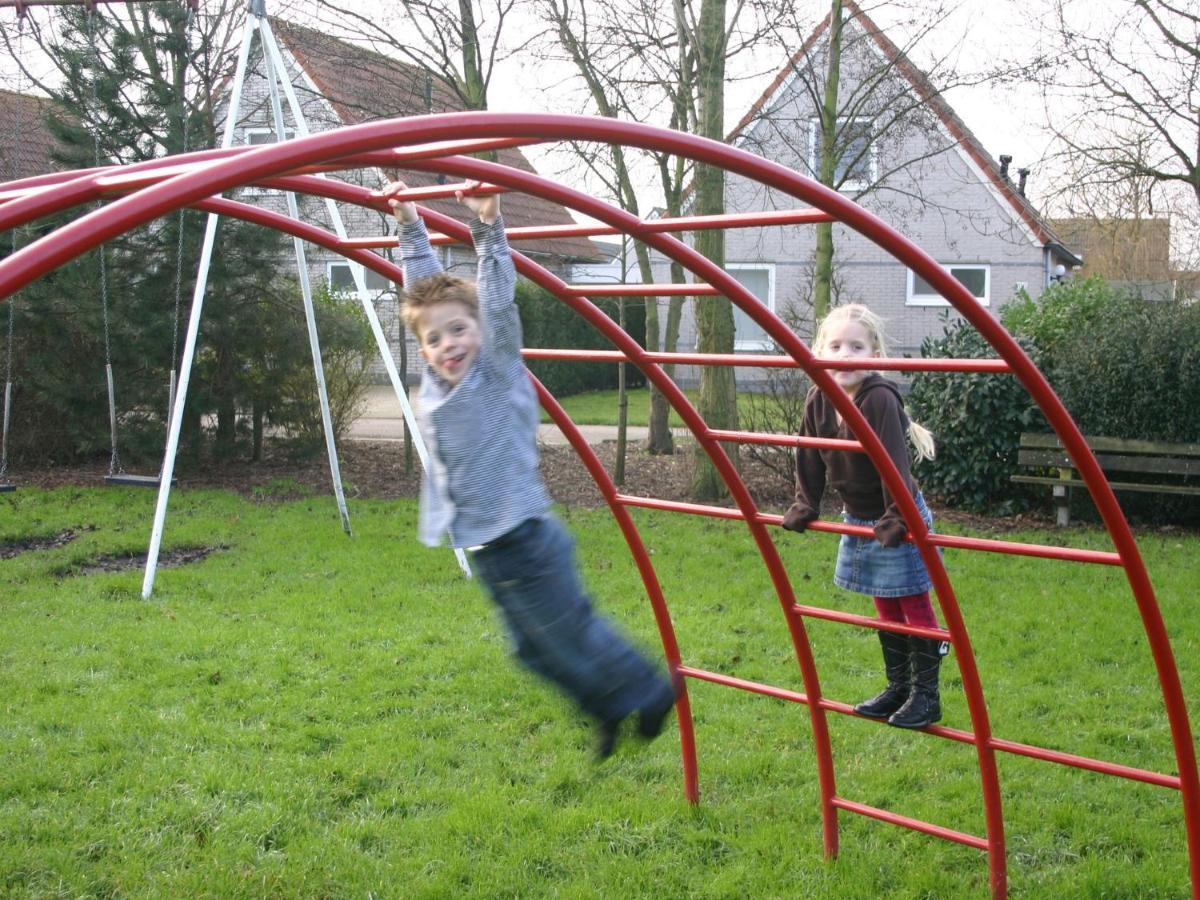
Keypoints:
(304, 714)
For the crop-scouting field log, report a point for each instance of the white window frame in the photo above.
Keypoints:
(912, 298)
(248, 132)
(814, 155)
(766, 343)
(373, 293)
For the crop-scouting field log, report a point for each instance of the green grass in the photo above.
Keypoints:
(303, 714)
(600, 407)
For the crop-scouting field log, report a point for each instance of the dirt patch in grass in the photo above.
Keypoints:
(9, 549)
(124, 562)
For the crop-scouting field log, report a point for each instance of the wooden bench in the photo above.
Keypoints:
(1114, 455)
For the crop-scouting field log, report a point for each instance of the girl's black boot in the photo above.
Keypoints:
(896, 665)
(924, 706)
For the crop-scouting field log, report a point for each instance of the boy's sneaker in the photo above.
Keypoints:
(606, 738)
(652, 717)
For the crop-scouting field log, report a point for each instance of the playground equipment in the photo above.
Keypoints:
(440, 144)
(256, 23)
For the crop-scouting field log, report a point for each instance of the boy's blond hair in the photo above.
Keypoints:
(920, 436)
(437, 289)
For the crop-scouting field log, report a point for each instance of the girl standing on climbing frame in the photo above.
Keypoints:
(884, 567)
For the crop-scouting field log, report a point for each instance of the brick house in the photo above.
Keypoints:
(928, 176)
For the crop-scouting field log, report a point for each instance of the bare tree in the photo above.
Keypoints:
(642, 60)
(1121, 84)
(457, 42)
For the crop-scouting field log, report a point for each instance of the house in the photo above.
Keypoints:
(1133, 253)
(923, 172)
(27, 146)
(338, 84)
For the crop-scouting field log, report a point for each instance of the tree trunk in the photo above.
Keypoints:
(622, 408)
(823, 263)
(226, 436)
(256, 444)
(714, 315)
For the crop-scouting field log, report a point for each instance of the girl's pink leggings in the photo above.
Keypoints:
(915, 609)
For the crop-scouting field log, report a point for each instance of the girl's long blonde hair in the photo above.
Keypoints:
(920, 436)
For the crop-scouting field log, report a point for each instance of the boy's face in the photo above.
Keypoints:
(450, 339)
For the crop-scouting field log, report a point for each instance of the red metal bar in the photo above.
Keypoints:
(833, 615)
(694, 223)
(784, 440)
(642, 290)
(942, 540)
(764, 361)
(261, 162)
(883, 815)
(753, 687)
(687, 731)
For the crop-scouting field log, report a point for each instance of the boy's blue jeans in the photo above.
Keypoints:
(530, 573)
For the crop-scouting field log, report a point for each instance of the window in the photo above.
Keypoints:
(857, 164)
(760, 281)
(255, 137)
(341, 280)
(975, 277)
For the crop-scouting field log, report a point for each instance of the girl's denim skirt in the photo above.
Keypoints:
(866, 566)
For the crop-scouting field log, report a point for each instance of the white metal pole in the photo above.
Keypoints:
(310, 317)
(364, 297)
(189, 346)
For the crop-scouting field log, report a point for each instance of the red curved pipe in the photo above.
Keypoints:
(66, 243)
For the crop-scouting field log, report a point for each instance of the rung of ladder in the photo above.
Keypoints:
(698, 289)
(949, 834)
(833, 615)
(653, 226)
(441, 191)
(753, 687)
(940, 540)
(784, 440)
(768, 361)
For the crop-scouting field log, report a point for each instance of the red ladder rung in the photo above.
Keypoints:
(949, 834)
(766, 361)
(696, 289)
(941, 540)
(833, 615)
(754, 687)
(783, 440)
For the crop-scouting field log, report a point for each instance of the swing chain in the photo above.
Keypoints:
(18, 145)
(185, 118)
(114, 461)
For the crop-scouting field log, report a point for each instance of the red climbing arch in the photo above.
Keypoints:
(140, 193)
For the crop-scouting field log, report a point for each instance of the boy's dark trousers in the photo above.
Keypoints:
(530, 573)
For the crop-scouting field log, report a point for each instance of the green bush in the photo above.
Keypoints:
(976, 420)
(347, 348)
(1122, 366)
(547, 322)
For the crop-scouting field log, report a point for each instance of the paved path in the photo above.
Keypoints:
(382, 421)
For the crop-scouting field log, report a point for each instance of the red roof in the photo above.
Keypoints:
(362, 85)
(26, 145)
(930, 95)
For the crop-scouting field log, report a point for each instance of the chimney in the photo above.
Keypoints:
(1005, 159)
(1023, 175)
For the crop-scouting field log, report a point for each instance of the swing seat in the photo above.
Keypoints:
(124, 479)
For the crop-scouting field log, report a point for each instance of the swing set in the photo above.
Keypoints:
(442, 145)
